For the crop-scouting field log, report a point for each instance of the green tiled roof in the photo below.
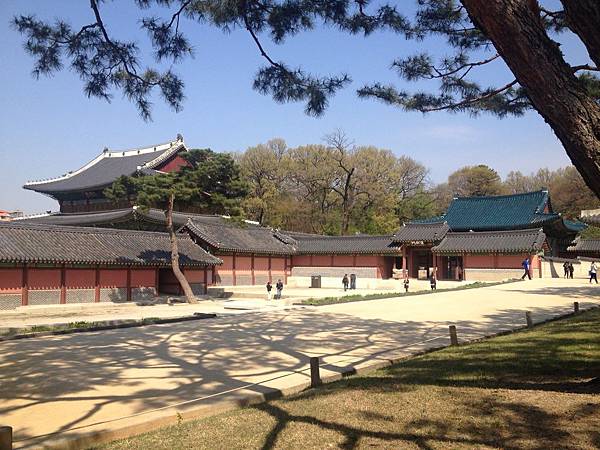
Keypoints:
(575, 225)
(495, 213)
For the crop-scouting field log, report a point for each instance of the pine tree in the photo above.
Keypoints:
(210, 182)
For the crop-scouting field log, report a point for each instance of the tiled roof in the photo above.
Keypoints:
(228, 236)
(20, 243)
(502, 212)
(575, 225)
(517, 241)
(354, 244)
(116, 216)
(593, 219)
(426, 232)
(107, 167)
(585, 245)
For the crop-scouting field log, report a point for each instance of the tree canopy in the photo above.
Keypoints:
(477, 33)
(209, 182)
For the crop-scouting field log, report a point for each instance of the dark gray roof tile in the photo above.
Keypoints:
(354, 244)
(426, 232)
(227, 236)
(519, 241)
(21, 242)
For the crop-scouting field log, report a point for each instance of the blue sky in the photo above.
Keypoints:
(48, 126)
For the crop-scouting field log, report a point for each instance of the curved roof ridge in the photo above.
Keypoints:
(77, 229)
(167, 148)
(519, 194)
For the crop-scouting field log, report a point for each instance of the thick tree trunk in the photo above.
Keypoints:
(187, 289)
(517, 31)
(583, 17)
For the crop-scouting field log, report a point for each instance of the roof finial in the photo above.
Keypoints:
(105, 150)
(179, 137)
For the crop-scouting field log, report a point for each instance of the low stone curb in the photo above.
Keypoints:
(197, 412)
(106, 325)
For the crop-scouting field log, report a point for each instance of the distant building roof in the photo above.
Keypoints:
(585, 246)
(31, 243)
(426, 232)
(501, 212)
(591, 219)
(514, 241)
(126, 216)
(353, 244)
(108, 166)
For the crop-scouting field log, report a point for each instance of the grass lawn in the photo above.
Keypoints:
(359, 298)
(531, 389)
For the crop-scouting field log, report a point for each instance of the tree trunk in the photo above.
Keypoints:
(187, 289)
(583, 18)
(516, 29)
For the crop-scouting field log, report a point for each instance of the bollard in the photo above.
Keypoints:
(453, 336)
(315, 377)
(576, 307)
(5, 438)
(528, 318)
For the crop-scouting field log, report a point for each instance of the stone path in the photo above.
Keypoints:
(75, 384)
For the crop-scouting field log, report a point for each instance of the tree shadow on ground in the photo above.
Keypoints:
(95, 377)
(484, 421)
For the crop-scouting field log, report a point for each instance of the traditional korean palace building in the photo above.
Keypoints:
(93, 250)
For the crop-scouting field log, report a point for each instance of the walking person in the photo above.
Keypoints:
(352, 281)
(433, 282)
(345, 282)
(279, 287)
(594, 272)
(269, 289)
(566, 269)
(406, 283)
(525, 265)
(571, 270)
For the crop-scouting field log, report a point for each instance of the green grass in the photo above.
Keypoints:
(79, 325)
(359, 298)
(529, 390)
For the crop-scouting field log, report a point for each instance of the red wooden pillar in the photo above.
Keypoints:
(205, 280)
(252, 270)
(128, 283)
(156, 281)
(311, 260)
(404, 262)
(354, 260)
(270, 275)
(63, 285)
(233, 270)
(97, 285)
(25, 286)
(285, 270)
(331, 261)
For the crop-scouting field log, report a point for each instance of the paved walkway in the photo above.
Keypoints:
(75, 384)
(245, 299)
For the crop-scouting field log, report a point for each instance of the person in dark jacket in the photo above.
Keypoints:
(433, 283)
(352, 281)
(406, 283)
(571, 270)
(345, 282)
(566, 268)
(279, 287)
